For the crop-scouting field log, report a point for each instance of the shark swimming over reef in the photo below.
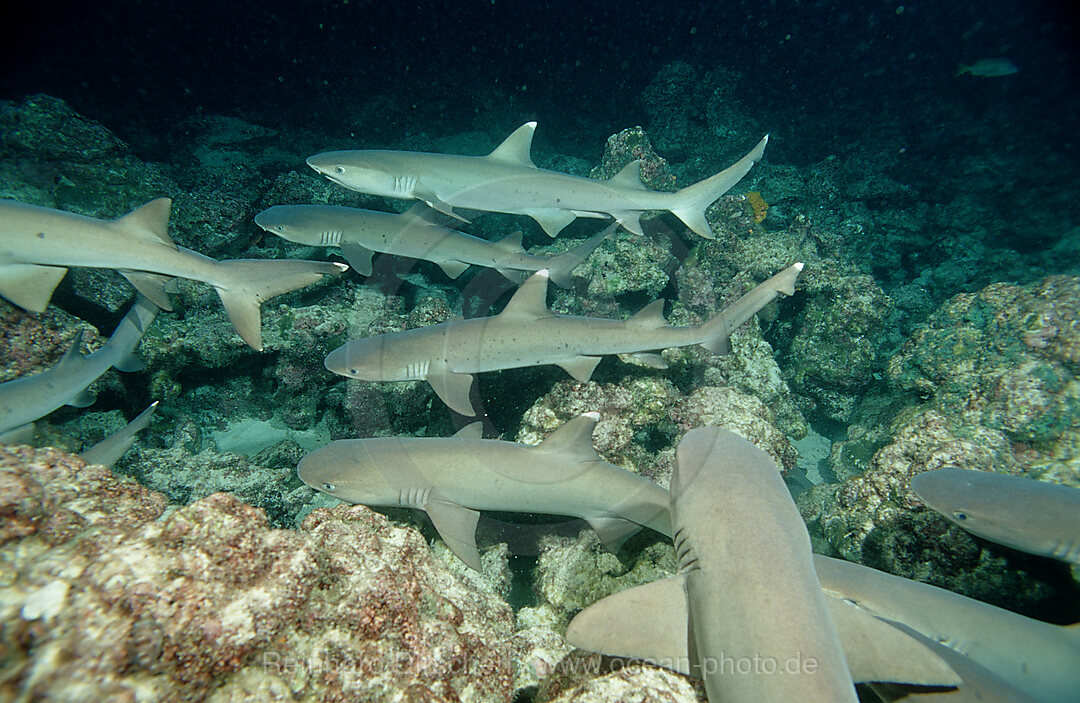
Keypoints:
(109, 450)
(754, 621)
(416, 234)
(31, 397)
(1038, 658)
(527, 333)
(452, 479)
(1032, 516)
(38, 244)
(507, 180)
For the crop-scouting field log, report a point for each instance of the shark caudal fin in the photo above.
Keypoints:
(560, 267)
(246, 283)
(691, 201)
(715, 332)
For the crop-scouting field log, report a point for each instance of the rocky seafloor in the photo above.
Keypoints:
(201, 568)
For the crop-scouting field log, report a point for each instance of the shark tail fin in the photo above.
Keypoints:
(560, 267)
(691, 201)
(246, 283)
(715, 332)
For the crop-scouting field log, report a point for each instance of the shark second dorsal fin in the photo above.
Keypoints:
(517, 148)
(473, 430)
(72, 355)
(613, 531)
(650, 317)
(511, 243)
(629, 177)
(530, 299)
(647, 622)
(573, 439)
(456, 525)
(150, 221)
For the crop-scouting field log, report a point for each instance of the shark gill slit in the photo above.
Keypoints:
(413, 497)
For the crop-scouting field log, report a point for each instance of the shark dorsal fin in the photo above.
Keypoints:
(530, 300)
(72, 355)
(150, 221)
(473, 430)
(511, 243)
(517, 148)
(650, 317)
(573, 439)
(629, 177)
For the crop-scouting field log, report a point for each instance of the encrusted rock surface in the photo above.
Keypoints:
(108, 593)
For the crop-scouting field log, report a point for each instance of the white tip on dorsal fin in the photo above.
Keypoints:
(630, 176)
(511, 243)
(650, 317)
(150, 221)
(530, 299)
(473, 430)
(573, 439)
(517, 148)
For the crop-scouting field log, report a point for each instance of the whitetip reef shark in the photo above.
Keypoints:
(109, 450)
(507, 180)
(416, 234)
(1032, 516)
(527, 333)
(26, 399)
(38, 244)
(454, 478)
(754, 621)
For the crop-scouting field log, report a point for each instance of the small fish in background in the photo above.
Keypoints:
(989, 68)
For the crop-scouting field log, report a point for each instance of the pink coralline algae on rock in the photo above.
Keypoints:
(109, 593)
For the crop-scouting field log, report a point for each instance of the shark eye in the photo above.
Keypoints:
(959, 515)
(354, 372)
(280, 228)
(339, 169)
(329, 487)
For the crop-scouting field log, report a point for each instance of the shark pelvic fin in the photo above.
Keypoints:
(529, 301)
(473, 430)
(613, 531)
(453, 389)
(562, 266)
(630, 176)
(580, 367)
(358, 256)
(658, 631)
(30, 286)
(517, 148)
(453, 269)
(152, 285)
(653, 361)
(457, 527)
(83, 399)
(573, 439)
(552, 220)
(437, 204)
(150, 222)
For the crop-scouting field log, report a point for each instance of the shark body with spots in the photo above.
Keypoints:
(38, 245)
(454, 478)
(418, 235)
(507, 180)
(527, 333)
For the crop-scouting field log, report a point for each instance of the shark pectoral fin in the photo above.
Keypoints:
(647, 622)
(359, 257)
(552, 220)
(152, 285)
(517, 148)
(580, 367)
(457, 527)
(453, 269)
(453, 389)
(438, 205)
(653, 361)
(83, 399)
(613, 531)
(877, 651)
(23, 434)
(30, 286)
(473, 430)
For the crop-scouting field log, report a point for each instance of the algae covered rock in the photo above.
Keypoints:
(109, 594)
